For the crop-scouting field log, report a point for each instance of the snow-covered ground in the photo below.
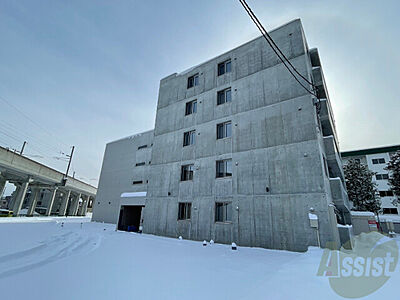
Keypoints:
(41, 259)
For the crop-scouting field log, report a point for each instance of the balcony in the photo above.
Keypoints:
(339, 195)
(333, 158)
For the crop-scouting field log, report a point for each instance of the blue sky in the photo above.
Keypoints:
(88, 71)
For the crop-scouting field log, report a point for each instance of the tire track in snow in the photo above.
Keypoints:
(50, 250)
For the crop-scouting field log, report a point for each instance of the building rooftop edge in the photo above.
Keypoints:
(241, 45)
(131, 136)
(367, 151)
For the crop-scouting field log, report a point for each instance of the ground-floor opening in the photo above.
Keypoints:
(130, 218)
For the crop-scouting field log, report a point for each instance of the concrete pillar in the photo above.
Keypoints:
(75, 205)
(2, 186)
(19, 199)
(64, 203)
(35, 195)
(85, 204)
(50, 207)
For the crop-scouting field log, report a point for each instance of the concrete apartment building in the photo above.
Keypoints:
(240, 153)
(376, 159)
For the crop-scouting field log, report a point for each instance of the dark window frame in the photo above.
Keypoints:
(223, 212)
(189, 138)
(224, 67)
(193, 81)
(224, 130)
(191, 107)
(378, 161)
(223, 168)
(184, 211)
(187, 172)
(224, 96)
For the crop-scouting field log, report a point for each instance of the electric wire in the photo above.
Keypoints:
(284, 61)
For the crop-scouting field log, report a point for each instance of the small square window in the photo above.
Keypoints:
(184, 210)
(193, 81)
(224, 67)
(224, 96)
(187, 172)
(381, 160)
(223, 212)
(224, 168)
(189, 138)
(191, 107)
(224, 130)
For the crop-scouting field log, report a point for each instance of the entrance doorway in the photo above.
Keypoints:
(130, 218)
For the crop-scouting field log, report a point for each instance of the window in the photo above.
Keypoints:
(224, 67)
(191, 107)
(224, 96)
(224, 130)
(382, 176)
(187, 172)
(142, 147)
(193, 81)
(184, 211)
(189, 138)
(140, 164)
(386, 193)
(377, 161)
(137, 182)
(390, 211)
(223, 212)
(224, 168)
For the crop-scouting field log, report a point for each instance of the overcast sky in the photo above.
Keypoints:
(87, 72)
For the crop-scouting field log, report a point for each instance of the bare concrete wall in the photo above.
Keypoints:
(278, 171)
(118, 173)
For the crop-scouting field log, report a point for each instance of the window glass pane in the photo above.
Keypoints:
(221, 69)
(196, 80)
(228, 129)
(374, 161)
(385, 176)
(194, 106)
(188, 108)
(221, 97)
(220, 131)
(220, 168)
(228, 66)
(228, 95)
(228, 212)
(219, 212)
(190, 82)
(381, 160)
(193, 137)
(228, 169)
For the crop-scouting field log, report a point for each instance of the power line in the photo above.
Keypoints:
(32, 121)
(29, 137)
(267, 37)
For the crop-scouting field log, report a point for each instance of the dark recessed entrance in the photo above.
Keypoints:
(129, 217)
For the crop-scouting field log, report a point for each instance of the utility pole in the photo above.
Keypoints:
(69, 163)
(23, 147)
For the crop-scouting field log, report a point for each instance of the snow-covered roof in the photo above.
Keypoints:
(133, 194)
(362, 213)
